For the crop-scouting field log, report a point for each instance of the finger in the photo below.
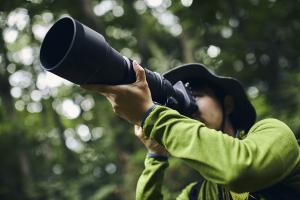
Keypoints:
(88, 87)
(111, 100)
(139, 72)
(103, 89)
(138, 131)
(111, 96)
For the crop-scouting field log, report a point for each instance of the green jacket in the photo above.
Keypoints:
(268, 155)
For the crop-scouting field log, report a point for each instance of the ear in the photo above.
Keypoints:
(229, 104)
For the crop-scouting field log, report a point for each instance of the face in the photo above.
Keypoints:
(209, 108)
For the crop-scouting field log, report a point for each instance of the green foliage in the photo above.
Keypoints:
(58, 141)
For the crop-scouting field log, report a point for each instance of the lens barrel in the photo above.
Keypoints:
(81, 55)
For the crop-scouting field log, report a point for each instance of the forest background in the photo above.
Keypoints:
(58, 141)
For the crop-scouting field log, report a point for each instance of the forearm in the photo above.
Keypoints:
(219, 157)
(150, 182)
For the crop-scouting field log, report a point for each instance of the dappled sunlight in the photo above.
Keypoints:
(66, 108)
(111, 168)
(168, 20)
(10, 35)
(186, 3)
(233, 22)
(26, 55)
(226, 32)
(34, 107)
(21, 78)
(36, 95)
(250, 58)
(140, 6)
(108, 5)
(18, 18)
(71, 142)
(97, 133)
(16, 92)
(253, 92)
(48, 80)
(87, 103)
(154, 3)
(69, 109)
(57, 169)
(20, 105)
(84, 132)
(213, 51)
(39, 31)
(238, 65)
(103, 7)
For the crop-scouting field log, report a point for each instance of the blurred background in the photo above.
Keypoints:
(58, 141)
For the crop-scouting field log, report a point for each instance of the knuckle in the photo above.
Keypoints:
(141, 69)
(118, 100)
(117, 109)
(144, 85)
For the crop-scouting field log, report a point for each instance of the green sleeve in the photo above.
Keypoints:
(208, 190)
(266, 156)
(150, 182)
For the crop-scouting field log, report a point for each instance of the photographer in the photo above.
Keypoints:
(262, 164)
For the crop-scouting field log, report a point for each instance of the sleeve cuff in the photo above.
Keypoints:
(157, 157)
(146, 114)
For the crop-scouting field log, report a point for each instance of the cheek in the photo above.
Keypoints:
(208, 105)
(215, 110)
(210, 111)
(215, 116)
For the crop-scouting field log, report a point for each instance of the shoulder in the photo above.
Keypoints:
(278, 141)
(275, 132)
(271, 124)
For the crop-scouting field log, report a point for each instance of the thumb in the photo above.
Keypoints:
(139, 72)
(138, 131)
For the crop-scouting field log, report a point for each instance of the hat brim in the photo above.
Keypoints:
(243, 116)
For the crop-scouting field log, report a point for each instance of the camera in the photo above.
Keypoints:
(79, 54)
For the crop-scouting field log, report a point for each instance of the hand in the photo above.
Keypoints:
(128, 101)
(150, 144)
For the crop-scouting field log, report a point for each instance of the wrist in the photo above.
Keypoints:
(159, 152)
(157, 156)
(146, 113)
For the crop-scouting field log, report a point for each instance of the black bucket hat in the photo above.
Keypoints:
(243, 116)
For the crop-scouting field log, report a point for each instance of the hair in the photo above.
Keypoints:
(218, 92)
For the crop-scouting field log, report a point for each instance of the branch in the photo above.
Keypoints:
(4, 83)
(187, 47)
(89, 18)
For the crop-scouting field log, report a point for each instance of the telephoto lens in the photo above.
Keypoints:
(79, 54)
